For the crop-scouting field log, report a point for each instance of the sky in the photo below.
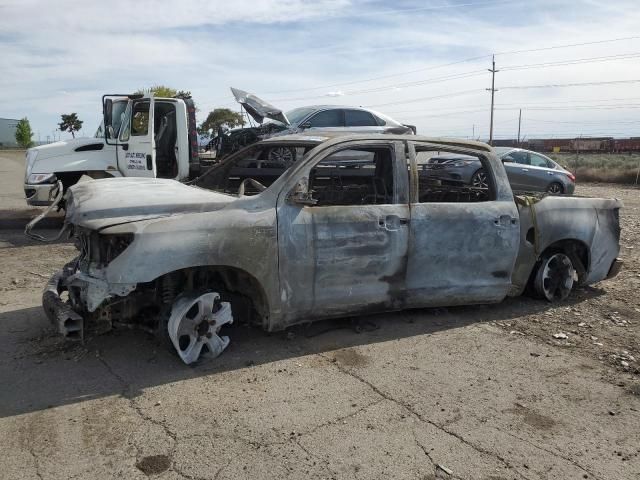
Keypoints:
(421, 62)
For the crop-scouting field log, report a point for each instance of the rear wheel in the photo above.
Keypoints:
(555, 277)
(555, 188)
(479, 179)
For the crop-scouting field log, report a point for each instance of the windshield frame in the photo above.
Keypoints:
(229, 161)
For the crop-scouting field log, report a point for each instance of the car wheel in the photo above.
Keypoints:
(555, 277)
(192, 326)
(282, 155)
(555, 189)
(480, 180)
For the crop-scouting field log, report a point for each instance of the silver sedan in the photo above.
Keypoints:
(527, 171)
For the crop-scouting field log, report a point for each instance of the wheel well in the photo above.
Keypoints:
(577, 251)
(71, 178)
(248, 299)
(68, 178)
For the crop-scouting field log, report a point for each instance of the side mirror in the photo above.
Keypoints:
(107, 118)
(300, 195)
(305, 125)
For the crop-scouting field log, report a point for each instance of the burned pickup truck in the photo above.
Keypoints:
(349, 226)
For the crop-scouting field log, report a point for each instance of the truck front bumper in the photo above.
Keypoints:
(68, 322)
(86, 294)
(40, 195)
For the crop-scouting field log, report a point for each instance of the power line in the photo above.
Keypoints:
(461, 112)
(520, 87)
(594, 42)
(606, 58)
(424, 99)
(608, 122)
(518, 105)
(408, 72)
(456, 76)
(580, 107)
(381, 77)
(472, 73)
(563, 85)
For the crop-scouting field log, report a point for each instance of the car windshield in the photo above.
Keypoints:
(296, 115)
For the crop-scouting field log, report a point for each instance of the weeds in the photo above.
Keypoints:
(601, 167)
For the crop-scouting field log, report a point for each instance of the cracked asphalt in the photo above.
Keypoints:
(463, 393)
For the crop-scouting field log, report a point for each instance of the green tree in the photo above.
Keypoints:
(70, 123)
(164, 91)
(24, 133)
(220, 117)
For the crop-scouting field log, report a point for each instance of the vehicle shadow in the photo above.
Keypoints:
(18, 219)
(39, 370)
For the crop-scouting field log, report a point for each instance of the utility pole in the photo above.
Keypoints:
(473, 135)
(493, 91)
(519, 123)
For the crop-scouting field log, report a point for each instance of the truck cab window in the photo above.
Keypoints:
(140, 119)
(452, 177)
(354, 177)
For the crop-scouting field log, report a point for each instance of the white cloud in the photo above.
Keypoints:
(62, 56)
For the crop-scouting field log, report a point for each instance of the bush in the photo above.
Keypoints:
(601, 167)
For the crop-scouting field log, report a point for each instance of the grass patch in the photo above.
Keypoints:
(601, 167)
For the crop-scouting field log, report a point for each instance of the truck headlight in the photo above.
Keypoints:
(31, 159)
(41, 178)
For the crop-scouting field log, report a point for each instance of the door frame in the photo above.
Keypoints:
(138, 161)
(295, 311)
(497, 281)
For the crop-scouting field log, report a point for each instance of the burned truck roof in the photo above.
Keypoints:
(327, 136)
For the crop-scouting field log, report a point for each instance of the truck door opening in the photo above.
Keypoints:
(165, 131)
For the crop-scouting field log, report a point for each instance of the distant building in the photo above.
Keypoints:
(8, 132)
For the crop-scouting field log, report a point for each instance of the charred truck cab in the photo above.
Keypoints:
(140, 136)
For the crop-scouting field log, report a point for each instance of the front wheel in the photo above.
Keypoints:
(555, 277)
(193, 325)
(479, 179)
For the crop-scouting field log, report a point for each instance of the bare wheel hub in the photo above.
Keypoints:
(558, 276)
(194, 324)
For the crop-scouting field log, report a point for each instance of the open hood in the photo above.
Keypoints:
(97, 204)
(258, 108)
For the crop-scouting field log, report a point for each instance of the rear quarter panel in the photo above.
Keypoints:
(591, 221)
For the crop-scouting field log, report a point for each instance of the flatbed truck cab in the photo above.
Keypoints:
(140, 136)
